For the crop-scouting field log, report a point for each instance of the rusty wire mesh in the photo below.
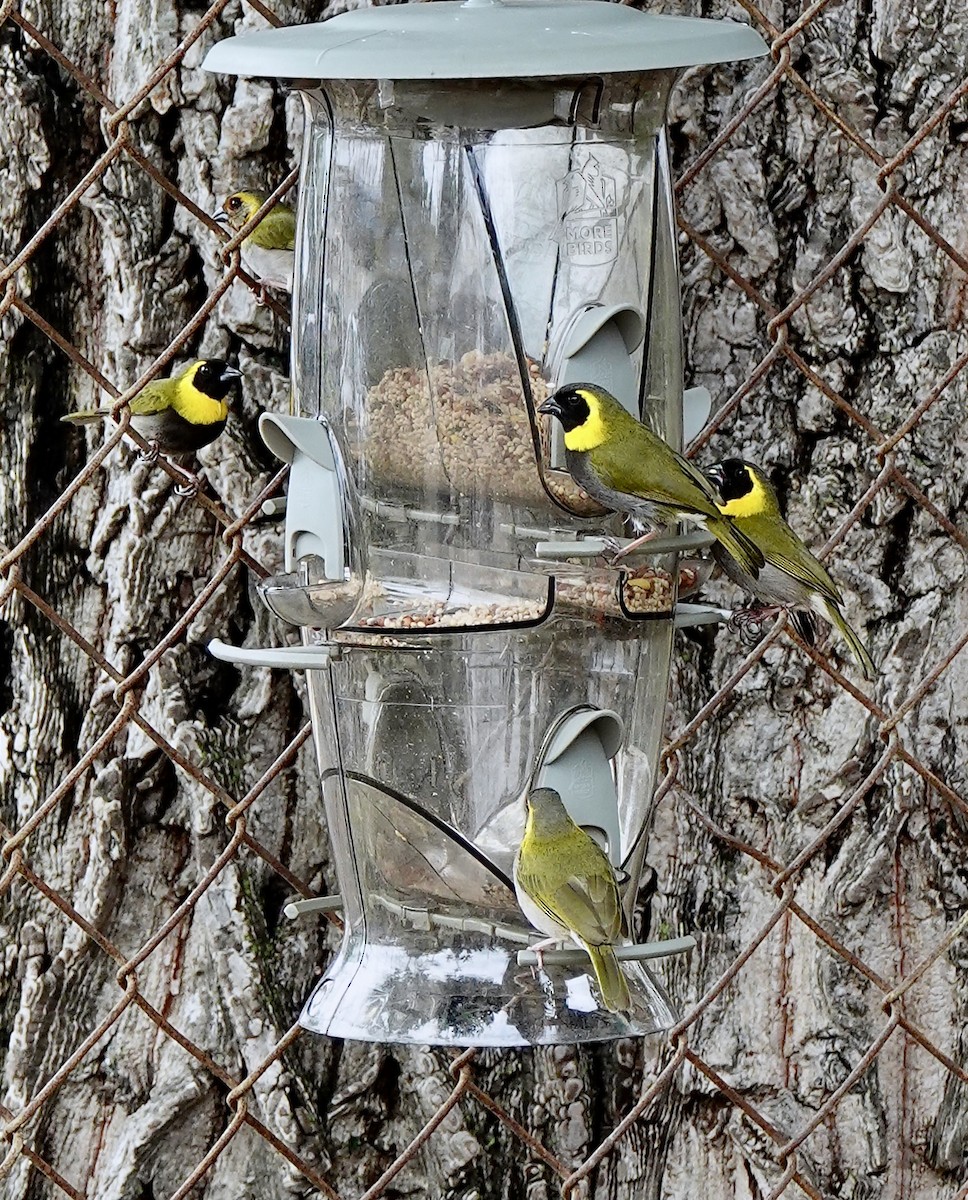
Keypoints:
(884, 449)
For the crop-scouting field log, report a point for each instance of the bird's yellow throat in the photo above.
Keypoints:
(194, 405)
(591, 432)
(756, 501)
(251, 203)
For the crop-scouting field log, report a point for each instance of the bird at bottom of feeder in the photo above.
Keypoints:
(568, 890)
(792, 579)
(269, 251)
(178, 415)
(627, 468)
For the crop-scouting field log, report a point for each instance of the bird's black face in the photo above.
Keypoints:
(569, 406)
(215, 377)
(732, 478)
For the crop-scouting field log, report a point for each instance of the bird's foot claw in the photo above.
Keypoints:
(151, 455)
(191, 485)
(619, 552)
(749, 622)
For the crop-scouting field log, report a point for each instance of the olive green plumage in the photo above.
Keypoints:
(181, 414)
(792, 577)
(567, 889)
(623, 465)
(269, 250)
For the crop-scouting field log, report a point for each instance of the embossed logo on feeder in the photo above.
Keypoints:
(587, 202)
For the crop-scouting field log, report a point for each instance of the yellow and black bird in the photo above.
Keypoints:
(181, 414)
(269, 250)
(567, 889)
(792, 578)
(627, 468)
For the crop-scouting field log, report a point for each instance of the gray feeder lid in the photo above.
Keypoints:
(484, 39)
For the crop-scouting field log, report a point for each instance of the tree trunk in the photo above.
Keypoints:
(759, 780)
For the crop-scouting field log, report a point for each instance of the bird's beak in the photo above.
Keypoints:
(221, 216)
(230, 373)
(551, 407)
(714, 474)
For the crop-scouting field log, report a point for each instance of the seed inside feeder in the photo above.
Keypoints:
(464, 427)
(645, 592)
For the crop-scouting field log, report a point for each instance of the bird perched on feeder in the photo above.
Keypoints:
(567, 888)
(792, 578)
(181, 414)
(269, 251)
(627, 468)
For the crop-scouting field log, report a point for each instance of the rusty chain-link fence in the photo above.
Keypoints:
(884, 453)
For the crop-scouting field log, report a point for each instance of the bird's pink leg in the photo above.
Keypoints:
(633, 546)
(540, 947)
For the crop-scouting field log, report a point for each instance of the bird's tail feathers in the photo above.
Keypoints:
(611, 981)
(85, 416)
(857, 648)
(746, 552)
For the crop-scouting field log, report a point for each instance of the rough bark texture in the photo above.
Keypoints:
(118, 279)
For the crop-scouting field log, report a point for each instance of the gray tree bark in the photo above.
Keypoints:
(123, 273)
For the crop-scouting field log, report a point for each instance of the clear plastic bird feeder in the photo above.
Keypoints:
(485, 213)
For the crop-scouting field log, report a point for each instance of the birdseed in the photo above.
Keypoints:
(464, 427)
(645, 592)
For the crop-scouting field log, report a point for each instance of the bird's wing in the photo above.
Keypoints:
(784, 550)
(154, 398)
(276, 230)
(589, 906)
(642, 464)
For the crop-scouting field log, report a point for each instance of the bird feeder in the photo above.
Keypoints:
(485, 213)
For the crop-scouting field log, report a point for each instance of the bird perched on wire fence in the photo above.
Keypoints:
(178, 415)
(269, 251)
(792, 578)
(567, 889)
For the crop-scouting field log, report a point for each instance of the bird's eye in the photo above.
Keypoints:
(233, 203)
